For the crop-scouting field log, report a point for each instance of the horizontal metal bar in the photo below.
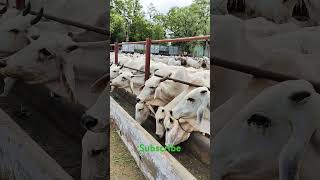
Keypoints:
(72, 23)
(279, 77)
(175, 80)
(185, 39)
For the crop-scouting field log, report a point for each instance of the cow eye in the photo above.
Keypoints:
(167, 129)
(15, 31)
(45, 52)
(114, 71)
(160, 120)
(190, 99)
(171, 121)
(259, 121)
(152, 87)
(71, 48)
(123, 78)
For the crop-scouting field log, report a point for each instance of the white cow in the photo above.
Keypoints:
(159, 88)
(142, 112)
(163, 111)
(14, 34)
(186, 116)
(274, 136)
(193, 105)
(128, 81)
(55, 56)
(95, 159)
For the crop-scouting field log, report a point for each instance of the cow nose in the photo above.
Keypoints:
(204, 65)
(158, 136)
(171, 112)
(138, 100)
(89, 121)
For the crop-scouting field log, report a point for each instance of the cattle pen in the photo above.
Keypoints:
(193, 163)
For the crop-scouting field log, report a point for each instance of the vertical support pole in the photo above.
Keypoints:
(147, 63)
(20, 4)
(116, 51)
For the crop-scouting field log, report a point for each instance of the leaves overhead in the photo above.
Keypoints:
(130, 23)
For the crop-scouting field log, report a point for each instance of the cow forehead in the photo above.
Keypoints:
(53, 41)
(278, 95)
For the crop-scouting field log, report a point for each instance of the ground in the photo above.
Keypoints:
(122, 165)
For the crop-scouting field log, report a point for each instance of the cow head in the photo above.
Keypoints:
(268, 136)
(193, 104)
(160, 116)
(177, 131)
(123, 80)
(95, 118)
(114, 71)
(44, 60)
(14, 31)
(150, 87)
(142, 112)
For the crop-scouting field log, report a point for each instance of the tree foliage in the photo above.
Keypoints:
(130, 23)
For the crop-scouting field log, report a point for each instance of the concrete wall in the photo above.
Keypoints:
(21, 158)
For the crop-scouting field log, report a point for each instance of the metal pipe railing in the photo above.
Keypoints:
(279, 77)
(147, 63)
(148, 44)
(175, 80)
(72, 23)
(185, 39)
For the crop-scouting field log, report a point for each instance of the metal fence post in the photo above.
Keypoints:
(20, 4)
(147, 63)
(116, 52)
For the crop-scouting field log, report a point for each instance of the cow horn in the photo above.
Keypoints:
(165, 78)
(37, 18)
(5, 8)
(292, 154)
(27, 9)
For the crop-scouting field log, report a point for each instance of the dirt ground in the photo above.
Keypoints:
(122, 164)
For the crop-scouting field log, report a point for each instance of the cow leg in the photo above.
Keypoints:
(8, 85)
(95, 158)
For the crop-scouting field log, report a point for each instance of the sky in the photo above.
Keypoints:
(163, 6)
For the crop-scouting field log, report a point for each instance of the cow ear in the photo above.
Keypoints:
(68, 80)
(300, 97)
(131, 86)
(100, 84)
(151, 109)
(157, 93)
(200, 113)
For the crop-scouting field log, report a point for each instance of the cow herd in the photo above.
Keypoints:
(178, 109)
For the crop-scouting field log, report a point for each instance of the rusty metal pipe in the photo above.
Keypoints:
(257, 72)
(147, 63)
